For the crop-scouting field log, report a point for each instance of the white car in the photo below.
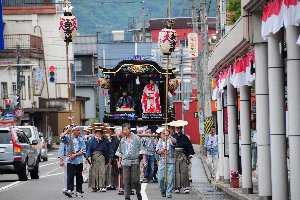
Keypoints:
(32, 133)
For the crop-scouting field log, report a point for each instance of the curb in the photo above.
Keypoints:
(218, 186)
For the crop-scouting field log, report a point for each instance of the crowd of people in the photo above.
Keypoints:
(110, 159)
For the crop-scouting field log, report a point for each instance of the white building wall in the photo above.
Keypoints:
(54, 50)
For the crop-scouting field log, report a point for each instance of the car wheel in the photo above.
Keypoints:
(23, 174)
(35, 174)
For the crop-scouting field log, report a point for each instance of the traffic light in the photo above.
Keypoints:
(52, 74)
(7, 103)
(16, 101)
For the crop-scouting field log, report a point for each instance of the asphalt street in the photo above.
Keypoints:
(50, 185)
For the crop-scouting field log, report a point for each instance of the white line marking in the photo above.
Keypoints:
(50, 154)
(51, 171)
(18, 183)
(51, 175)
(10, 185)
(143, 191)
(52, 159)
(48, 164)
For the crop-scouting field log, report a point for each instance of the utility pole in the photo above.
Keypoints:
(143, 23)
(199, 71)
(169, 8)
(19, 84)
(181, 83)
(218, 19)
(206, 79)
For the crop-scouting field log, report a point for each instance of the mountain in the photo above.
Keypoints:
(107, 15)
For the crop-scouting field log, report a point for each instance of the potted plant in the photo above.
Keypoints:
(235, 179)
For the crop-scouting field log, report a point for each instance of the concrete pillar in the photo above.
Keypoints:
(232, 127)
(226, 170)
(246, 140)
(293, 83)
(277, 119)
(262, 122)
(220, 136)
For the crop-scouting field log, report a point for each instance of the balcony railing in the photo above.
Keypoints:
(86, 80)
(25, 41)
(9, 3)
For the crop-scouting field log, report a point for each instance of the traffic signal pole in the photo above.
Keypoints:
(19, 85)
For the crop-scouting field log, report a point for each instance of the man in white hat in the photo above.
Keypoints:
(184, 151)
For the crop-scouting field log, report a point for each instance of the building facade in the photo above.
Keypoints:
(263, 41)
(32, 45)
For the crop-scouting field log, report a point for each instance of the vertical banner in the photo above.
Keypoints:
(1, 28)
(193, 45)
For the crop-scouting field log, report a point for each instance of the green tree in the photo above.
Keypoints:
(234, 11)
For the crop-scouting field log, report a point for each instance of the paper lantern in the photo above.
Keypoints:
(167, 39)
(68, 25)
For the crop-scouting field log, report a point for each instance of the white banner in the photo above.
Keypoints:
(193, 45)
(38, 81)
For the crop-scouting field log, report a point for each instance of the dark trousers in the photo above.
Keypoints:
(131, 174)
(74, 170)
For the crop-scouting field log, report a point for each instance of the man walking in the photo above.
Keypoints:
(129, 150)
(211, 145)
(86, 167)
(149, 146)
(161, 149)
(184, 152)
(74, 160)
(112, 168)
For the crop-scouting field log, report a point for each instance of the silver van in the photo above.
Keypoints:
(17, 156)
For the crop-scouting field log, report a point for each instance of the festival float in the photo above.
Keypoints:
(136, 90)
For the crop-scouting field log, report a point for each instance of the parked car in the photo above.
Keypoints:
(33, 134)
(17, 155)
(44, 151)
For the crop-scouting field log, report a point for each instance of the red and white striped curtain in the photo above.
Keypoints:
(278, 14)
(241, 73)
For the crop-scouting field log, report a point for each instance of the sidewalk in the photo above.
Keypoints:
(236, 193)
(201, 182)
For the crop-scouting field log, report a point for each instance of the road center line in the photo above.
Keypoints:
(143, 191)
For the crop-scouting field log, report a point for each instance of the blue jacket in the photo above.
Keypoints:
(78, 145)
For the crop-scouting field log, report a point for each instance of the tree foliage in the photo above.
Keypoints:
(233, 11)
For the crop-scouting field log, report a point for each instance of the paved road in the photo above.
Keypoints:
(49, 186)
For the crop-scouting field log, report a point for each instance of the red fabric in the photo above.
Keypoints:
(272, 8)
(289, 3)
(144, 100)
(157, 102)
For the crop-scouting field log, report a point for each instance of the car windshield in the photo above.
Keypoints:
(5, 137)
(27, 131)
